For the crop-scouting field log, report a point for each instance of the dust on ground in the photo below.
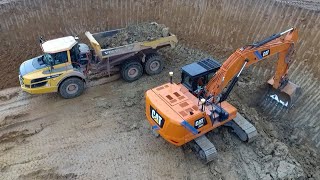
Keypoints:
(135, 33)
(103, 134)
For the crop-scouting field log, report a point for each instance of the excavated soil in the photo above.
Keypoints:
(103, 134)
(135, 33)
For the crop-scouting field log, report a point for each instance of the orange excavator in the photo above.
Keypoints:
(183, 113)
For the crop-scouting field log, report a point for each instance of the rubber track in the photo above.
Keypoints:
(207, 146)
(244, 126)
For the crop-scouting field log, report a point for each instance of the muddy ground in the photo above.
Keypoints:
(103, 134)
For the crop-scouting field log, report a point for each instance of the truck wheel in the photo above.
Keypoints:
(131, 71)
(71, 88)
(154, 64)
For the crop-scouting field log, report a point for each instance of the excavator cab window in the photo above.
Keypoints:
(188, 81)
(195, 84)
(196, 75)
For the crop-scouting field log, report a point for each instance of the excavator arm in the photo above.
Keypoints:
(281, 44)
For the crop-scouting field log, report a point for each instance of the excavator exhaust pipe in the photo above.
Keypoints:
(286, 96)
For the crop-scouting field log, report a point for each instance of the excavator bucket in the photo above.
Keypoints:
(287, 96)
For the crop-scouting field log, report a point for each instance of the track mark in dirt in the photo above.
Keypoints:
(16, 116)
(100, 81)
(11, 119)
(7, 97)
(13, 106)
(91, 125)
(47, 174)
(18, 136)
(5, 166)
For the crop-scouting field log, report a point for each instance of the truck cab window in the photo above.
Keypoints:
(60, 57)
(75, 53)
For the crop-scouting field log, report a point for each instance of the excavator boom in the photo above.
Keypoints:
(281, 44)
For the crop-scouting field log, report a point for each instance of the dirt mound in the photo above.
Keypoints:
(135, 33)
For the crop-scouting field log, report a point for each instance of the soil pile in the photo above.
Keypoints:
(135, 33)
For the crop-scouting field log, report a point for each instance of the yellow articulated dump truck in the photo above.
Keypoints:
(66, 65)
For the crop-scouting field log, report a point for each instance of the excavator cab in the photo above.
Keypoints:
(196, 75)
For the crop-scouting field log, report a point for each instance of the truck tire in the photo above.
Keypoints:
(131, 71)
(154, 64)
(71, 88)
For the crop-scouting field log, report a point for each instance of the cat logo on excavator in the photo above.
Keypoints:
(265, 53)
(156, 117)
(199, 123)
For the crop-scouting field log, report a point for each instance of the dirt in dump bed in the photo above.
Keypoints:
(135, 33)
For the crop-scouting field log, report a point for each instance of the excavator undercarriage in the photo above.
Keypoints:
(206, 150)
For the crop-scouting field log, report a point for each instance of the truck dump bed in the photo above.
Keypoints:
(97, 38)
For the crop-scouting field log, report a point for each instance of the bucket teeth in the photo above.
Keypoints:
(286, 96)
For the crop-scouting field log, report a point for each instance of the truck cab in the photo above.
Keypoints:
(196, 75)
(59, 69)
